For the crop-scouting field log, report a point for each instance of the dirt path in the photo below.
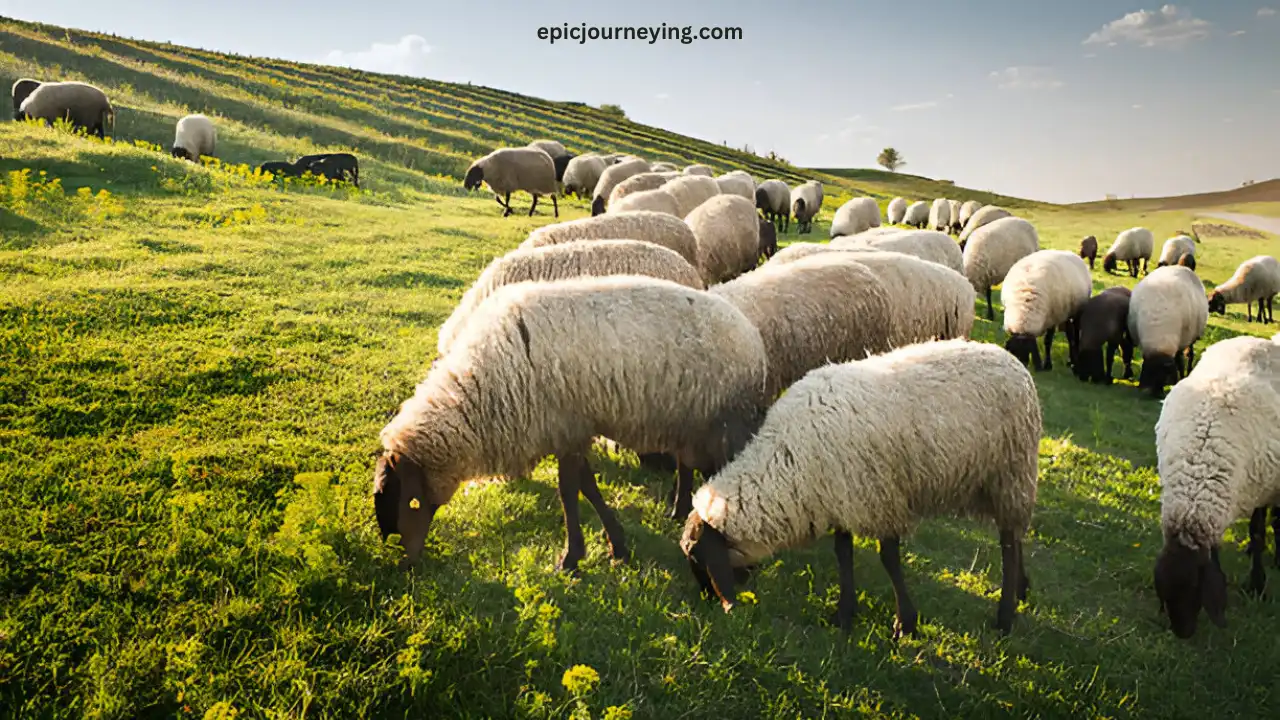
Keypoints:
(1258, 222)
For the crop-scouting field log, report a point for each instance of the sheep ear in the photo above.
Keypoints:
(1213, 593)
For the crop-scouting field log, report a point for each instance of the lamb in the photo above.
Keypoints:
(1104, 320)
(773, 198)
(1089, 249)
(699, 170)
(83, 105)
(639, 182)
(658, 200)
(940, 215)
(1174, 248)
(543, 367)
(582, 173)
(826, 308)
(507, 170)
(1257, 278)
(1042, 292)
(1219, 460)
(335, 166)
(993, 248)
(897, 211)
(658, 228)
(954, 226)
(1130, 246)
(806, 203)
(612, 175)
(691, 191)
(855, 216)
(928, 245)
(967, 210)
(983, 216)
(873, 447)
(1167, 315)
(22, 87)
(664, 167)
(194, 136)
(728, 236)
(737, 183)
(568, 260)
(917, 215)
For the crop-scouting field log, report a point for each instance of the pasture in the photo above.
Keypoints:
(195, 363)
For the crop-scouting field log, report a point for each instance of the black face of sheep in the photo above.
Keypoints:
(474, 177)
(1109, 263)
(1025, 349)
(708, 554)
(1186, 581)
(399, 503)
(1188, 261)
(597, 207)
(1217, 303)
(1158, 372)
(182, 153)
(561, 164)
(768, 239)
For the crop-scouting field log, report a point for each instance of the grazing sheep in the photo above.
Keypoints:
(568, 260)
(658, 228)
(699, 170)
(552, 148)
(1089, 249)
(1167, 315)
(1041, 293)
(1130, 246)
(1257, 278)
(639, 182)
(982, 216)
(507, 170)
(728, 233)
(940, 215)
(1218, 457)
(541, 368)
(22, 87)
(795, 251)
(1188, 260)
(928, 245)
(826, 308)
(194, 136)
(954, 226)
(872, 448)
(664, 167)
(737, 183)
(773, 198)
(896, 212)
(582, 173)
(343, 167)
(768, 239)
(612, 175)
(691, 191)
(280, 168)
(930, 301)
(855, 216)
(83, 105)
(806, 203)
(917, 215)
(658, 200)
(967, 210)
(993, 248)
(1174, 248)
(1104, 320)
(615, 158)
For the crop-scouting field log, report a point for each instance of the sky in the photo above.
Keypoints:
(1064, 102)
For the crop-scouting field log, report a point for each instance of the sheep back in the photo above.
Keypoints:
(699, 170)
(552, 148)
(1133, 244)
(940, 214)
(1174, 248)
(507, 170)
(994, 247)
(639, 182)
(930, 245)
(917, 214)
(582, 173)
(930, 300)
(1167, 311)
(896, 211)
(691, 191)
(737, 183)
(981, 217)
(728, 236)
(609, 179)
(658, 200)
(658, 228)
(1043, 290)
(195, 135)
(855, 216)
(967, 210)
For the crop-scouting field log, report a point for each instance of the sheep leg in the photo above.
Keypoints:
(847, 605)
(612, 528)
(555, 206)
(1257, 546)
(684, 492)
(1191, 357)
(506, 204)
(1271, 310)
(1014, 583)
(1248, 310)
(991, 313)
(891, 558)
(575, 548)
(1035, 356)
(1275, 530)
(533, 205)
(1126, 349)
(1048, 349)
(1178, 368)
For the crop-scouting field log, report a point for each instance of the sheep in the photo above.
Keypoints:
(1104, 320)
(615, 158)
(83, 105)
(507, 170)
(1257, 278)
(664, 167)
(773, 198)
(806, 203)
(1042, 292)
(280, 168)
(1167, 315)
(982, 216)
(967, 210)
(699, 170)
(1188, 260)
(612, 175)
(1089, 249)
(940, 215)
(194, 136)
(768, 239)
(658, 200)
(22, 87)
(1217, 457)
(541, 368)
(917, 215)
(581, 174)
(1174, 248)
(873, 447)
(796, 251)
(954, 225)
(855, 216)
(897, 211)
(737, 183)
(728, 234)
(691, 191)
(553, 148)
(639, 182)
(658, 228)
(333, 166)
(992, 249)
(826, 308)
(568, 260)
(928, 245)
(1130, 246)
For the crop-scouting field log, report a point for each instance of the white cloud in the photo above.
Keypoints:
(406, 56)
(661, 96)
(1137, 107)
(1266, 12)
(1025, 77)
(928, 105)
(1237, 33)
(851, 128)
(1090, 55)
(1170, 26)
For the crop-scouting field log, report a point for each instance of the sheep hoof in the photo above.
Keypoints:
(568, 565)
(619, 555)
(904, 626)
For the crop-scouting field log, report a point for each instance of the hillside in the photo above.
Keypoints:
(1261, 192)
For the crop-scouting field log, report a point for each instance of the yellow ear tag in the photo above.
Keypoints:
(415, 504)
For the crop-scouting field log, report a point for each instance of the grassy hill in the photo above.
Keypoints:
(1261, 192)
(195, 363)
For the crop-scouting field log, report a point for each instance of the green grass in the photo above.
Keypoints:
(195, 365)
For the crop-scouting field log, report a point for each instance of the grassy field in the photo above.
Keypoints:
(195, 364)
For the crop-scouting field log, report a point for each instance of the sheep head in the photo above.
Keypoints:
(1109, 262)
(475, 176)
(1186, 581)
(597, 206)
(708, 554)
(1217, 303)
(1021, 346)
(400, 503)
(181, 153)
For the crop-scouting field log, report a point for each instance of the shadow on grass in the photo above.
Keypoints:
(18, 232)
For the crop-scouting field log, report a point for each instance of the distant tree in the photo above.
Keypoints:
(890, 159)
(612, 109)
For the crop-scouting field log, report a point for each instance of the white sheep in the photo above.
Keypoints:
(507, 170)
(897, 211)
(930, 245)
(1256, 279)
(664, 166)
(967, 210)
(691, 191)
(1130, 246)
(85, 106)
(1218, 457)
(1042, 292)
(773, 199)
(737, 183)
(194, 136)
(855, 216)
(1174, 248)
(953, 216)
(993, 248)
(612, 175)
(21, 88)
(582, 173)
(940, 215)
(872, 448)
(982, 216)
(728, 236)
(542, 368)
(917, 215)
(639, 182)
(1167, 315)
(658, 228)
(699, 170)
(657, 200)
(806, 203)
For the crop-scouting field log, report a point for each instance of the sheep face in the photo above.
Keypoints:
(1187, 580)
(797, 207)
(1188, 261)
(1021, 347)
(768, 239)
(475, 176)
(182, 153)
(400, 503)
(597, 206)
(762, 200)
(561, 164)
(1158, 372)
(1217, 303)
(1109, 262)
(708, 552)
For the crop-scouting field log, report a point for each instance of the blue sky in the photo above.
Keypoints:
(1057, 101)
